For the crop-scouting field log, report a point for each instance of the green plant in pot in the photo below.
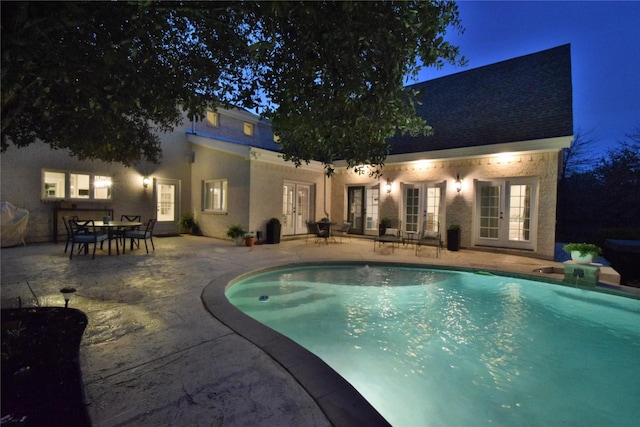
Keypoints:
(582, 253)
(188, 222)
(250, 239)
(237, 233)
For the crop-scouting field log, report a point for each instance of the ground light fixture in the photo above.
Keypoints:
(66, 293)
(458, 183)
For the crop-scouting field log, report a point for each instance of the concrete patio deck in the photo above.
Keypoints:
(164, 346)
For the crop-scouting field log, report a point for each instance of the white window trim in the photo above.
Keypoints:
(104, 180)
(211, 184)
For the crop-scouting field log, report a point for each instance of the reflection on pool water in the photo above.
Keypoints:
(445, 348)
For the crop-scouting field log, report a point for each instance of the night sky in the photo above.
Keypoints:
(605, 53)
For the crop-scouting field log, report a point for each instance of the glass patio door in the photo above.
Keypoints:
(296, 207)
(167, 200)
(362, 209)
(506, 212)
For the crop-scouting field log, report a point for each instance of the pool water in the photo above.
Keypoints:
(445, 348)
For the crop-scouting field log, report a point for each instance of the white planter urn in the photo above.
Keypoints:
(586, 259)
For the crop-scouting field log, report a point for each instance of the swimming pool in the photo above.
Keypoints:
(439, 347)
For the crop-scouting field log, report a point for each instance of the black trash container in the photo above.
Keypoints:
(273, 231)
(453, 238)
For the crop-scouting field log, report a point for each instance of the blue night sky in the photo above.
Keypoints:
(605, 53)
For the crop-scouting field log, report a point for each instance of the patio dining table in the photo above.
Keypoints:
(112, 226)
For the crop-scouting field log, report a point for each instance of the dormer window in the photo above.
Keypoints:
(248, 128)
(213, 118)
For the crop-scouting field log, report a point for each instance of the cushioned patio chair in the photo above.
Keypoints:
(141, 234)
(430, 236)
(391, 235)
(65, 221)
(85, 233)
(119, 233)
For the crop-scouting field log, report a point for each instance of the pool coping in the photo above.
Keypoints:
(341, 403)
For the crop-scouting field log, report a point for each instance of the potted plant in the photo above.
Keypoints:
(249, 239)
(582, 253)
(236, 232)
(453, 237)
(273, 231)
(188, 224)
(383, 225)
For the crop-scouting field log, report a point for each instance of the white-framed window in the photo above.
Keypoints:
(213, 118)
(101, 187)
(58, 185)
(54, 185)
(214, 198)
(248, 128)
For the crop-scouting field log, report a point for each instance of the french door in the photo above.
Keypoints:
(167, 200)
(362, 208)
(296, 208)
(506, 212)
(423, 209)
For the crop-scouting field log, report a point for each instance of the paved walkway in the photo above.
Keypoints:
(153, 354)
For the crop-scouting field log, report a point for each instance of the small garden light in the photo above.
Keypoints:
(66, 293)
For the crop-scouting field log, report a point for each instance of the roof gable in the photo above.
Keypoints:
(521, 99)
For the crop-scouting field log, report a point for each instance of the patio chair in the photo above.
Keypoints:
(430, 236)
(84, 233)
(316, 230)
(343, 230)
(391, 235)
(137, 235)
(119, 233)
(65, 221)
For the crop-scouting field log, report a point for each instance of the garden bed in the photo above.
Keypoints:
(41, 379)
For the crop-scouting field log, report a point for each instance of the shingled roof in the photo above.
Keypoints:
(521, 99)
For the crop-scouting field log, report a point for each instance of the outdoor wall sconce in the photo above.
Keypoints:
(145, 181)
(66, 293)
(388, 186)
(458, 183)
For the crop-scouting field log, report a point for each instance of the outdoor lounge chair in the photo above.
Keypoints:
(391, 235)
(430, 236)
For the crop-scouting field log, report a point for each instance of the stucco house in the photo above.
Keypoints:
(491, 166)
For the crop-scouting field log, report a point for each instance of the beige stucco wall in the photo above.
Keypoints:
(267, 191)
(250, 206)
(21, 176)
(543, 166)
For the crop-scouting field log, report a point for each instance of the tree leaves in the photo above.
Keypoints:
(92, 78)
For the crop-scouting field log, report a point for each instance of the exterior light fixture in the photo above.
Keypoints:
(458, 183)
(66, 293)
(388, 186)
(145, 181)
